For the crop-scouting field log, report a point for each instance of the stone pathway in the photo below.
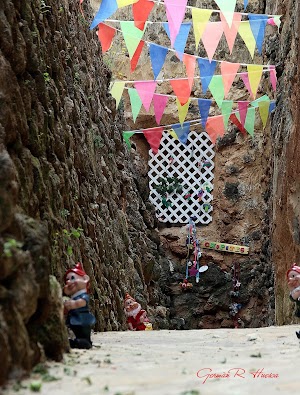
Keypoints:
(249, 361)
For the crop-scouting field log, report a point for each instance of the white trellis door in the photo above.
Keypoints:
(193, 165)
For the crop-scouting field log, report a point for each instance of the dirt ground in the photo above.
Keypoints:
(206, 362)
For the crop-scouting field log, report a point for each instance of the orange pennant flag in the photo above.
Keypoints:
(105, 34)
(134, 60)
(228, 71)
(211, 37)
(215, 127)
(231, 32)
(141, 11)
(190, 63)
(153, 137)
(182, 89)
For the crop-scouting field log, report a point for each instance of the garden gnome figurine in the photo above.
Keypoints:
(293, 279)
(79, 319)
(137, 319)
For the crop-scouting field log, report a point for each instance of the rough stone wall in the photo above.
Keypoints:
(67, 189)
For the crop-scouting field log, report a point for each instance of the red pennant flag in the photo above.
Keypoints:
(141, 11)
(134, 60)
(182, 89)
(215, 127)
(105, 34)
(190, 63)
(233, 118)
(153, 137)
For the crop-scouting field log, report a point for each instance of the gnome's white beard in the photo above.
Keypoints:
(133, 312)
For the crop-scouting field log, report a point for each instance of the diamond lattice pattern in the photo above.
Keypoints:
(193, 165)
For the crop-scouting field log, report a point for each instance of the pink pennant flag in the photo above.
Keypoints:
(159, 104)
(153, 137)
(231, 32)
(190, 63)
(243, 109)
(182, 89)
(273, 77)
(245, 78)
(146, 91)
(215, 127)
(211, 37)
(175, 10)
(228, 71)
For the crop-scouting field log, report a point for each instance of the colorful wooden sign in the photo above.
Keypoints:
(223, 247)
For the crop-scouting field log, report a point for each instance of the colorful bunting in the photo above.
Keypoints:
(135, 102)
(207, 70)
(245, 78)
(243, 109)
(272, 106)
(226, 109)
(146, 91)
(228, 71)
(126, 137)
(264, 111)
(227, 7)
(173, 134)
(153, 137)
(204, 106)
(273, 77)
(182, 131)
(254, 75)
(182, 110)
(217, 89)
(134, 60)
(233, 118)
(117, 91)
(258, 26)
(105, 35)
(231, 32)
(159, 104)
(246, 33)
(190, 63)
(141, 11)
(182, 36)
(200, 19)
(211, 37)
(175, 10)
(124, 3)
(215, 128)
(182, 89)
(245, 4)
(106, 9)
(275, 21)
(157, 56)
(250, 120)
(132, 36)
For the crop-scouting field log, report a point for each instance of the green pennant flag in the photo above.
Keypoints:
(249, 122)
(226, 109)
(135, 101)
(264, 98)
(132, 36)
(117, 90)
(126, 137)
(264, 111)
(216, 87)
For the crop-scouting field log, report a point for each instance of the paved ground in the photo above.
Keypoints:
(176, 363)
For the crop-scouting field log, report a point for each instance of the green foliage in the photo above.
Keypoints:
(64, 213)
(47, 77)
(168, 186)
(98, 142)
(10, 246)
(67, 236)
(35, 386)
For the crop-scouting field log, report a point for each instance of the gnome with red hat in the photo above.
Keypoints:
(137, 319)
(79, 319)
(293, 279)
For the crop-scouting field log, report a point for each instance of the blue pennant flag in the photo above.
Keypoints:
(245, 4)
(106, 9)
(258, 26)
(157, 56)
(207, 70)
(181, 38)
(272, 106)
(182, 131)
(204, 106)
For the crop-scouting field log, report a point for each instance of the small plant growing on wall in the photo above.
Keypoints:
(166, 187)
(10, 246)
(67, 236)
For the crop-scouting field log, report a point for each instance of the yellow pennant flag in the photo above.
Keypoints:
(173, 134)
(182, 110)
(246, 33)
(124, 3)
(117, 90)
(254, 76)
(264, 111)
(200, 19)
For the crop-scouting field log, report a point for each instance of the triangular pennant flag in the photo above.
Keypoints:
(245, 78)
(207, 70)
(246, 33)
(231, 32)
(275, 21)
(105, 34)
(117, 90)
(250, 119)
(146, 91)
(217, 89)
(273, 77)
(254, 75)
(245, 4)
(182, 110)
(126, 137)
(135, 102)
(182, 89)
(175, 10)
(254, 103)
(228, 71)
(264, 111)
(243, 109)
(132, 36)
(106, 9)
(157, 56)
(124, 3)
(182, 36)
(159, 104)
(153, 137)
(141, 11)
(226, 109)
(215, 128)
(173, 134)
(258, 26)
(211, 37)
(227, 7)
(200, 19)
(233, 118)
(272, 106)
(190, 63)
(182, 131)
(134, 60)
(204, 106)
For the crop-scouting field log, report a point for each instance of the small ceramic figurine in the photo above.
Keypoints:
(137, 319)
(79, 319)
(293, 279)
(185, 285)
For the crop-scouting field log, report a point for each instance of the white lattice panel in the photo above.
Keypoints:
(193, 165)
